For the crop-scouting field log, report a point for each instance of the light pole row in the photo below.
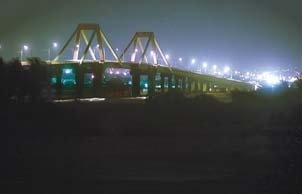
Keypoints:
(25, 49)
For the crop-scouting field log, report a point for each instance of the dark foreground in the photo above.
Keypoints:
(148, 148)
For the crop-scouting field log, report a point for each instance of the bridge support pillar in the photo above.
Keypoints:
(170, 86)
(98, 80)
(205, 87)
(190, 87)
(151, 80)
(198, 86)
(79, 81)
(162, 82)
(135, 82)
(184, 84)
(176, 83)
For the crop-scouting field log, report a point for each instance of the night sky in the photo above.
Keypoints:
(245, 34)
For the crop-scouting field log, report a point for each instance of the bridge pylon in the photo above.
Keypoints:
(88, 33)
(138, 48)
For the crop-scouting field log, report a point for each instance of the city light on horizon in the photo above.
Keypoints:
(204, 65)
(226, 69)
(193, 61)
(25, 47)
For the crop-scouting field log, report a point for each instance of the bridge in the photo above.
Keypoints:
(140, 70)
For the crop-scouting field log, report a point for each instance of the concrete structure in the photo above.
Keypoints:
(168, 78)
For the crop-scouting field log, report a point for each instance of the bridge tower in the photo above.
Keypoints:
(138, 48)
(88, 33)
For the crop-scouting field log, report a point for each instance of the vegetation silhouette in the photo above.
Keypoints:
(23, 83)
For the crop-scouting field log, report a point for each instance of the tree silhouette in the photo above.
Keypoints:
(298, 84)
(22, 83)
(37, 78)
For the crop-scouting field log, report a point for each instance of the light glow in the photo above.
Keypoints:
(67, 71)
(215, 67)
(205, 65)
(269, 78)
(25, 47)
(55, 45)
(193, 61)
(226, 69)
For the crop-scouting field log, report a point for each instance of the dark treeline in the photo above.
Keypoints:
(23, 83)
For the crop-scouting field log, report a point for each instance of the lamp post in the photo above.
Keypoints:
(215, 69)
(25, 48)
(193, 62)
(205, 66)
(54, 46)
(227, 71)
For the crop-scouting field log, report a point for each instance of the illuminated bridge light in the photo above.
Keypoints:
(226, 69)
(205, 65)
(67, 71)
(55, 44)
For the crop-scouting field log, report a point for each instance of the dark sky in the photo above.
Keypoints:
(244, 33)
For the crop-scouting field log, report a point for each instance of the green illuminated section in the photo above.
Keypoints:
(144, 82)
(68, 77)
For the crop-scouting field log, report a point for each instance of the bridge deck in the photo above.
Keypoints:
(170, 78)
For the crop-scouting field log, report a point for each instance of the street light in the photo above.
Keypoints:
(54, 46)
(226, 69)
(193, 61)
(24, 48)
(167, 56)
(215, 68)
(205, 66)
(180, 59)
